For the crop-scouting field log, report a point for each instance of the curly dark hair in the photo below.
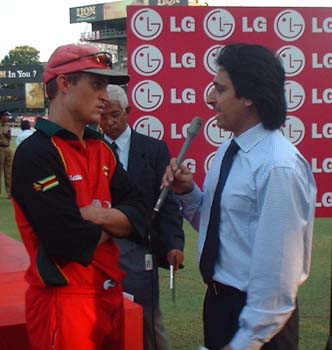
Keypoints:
(257, 75)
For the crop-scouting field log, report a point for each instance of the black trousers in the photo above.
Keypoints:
(222, 307)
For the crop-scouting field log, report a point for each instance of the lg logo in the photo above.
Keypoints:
(150, 126)
(147, 24)
(147, 60)
(207, 91)
(289, 25)
(208, 161)
(147, 95)
(219, 24)
(294, 130)
(213, 134)
(210, 57)
(294, 94)
(292, 59)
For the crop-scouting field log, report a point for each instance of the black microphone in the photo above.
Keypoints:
(192, 131)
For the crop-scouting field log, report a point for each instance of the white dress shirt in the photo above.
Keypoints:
(23, 135)
(123, 143)
(267, 216)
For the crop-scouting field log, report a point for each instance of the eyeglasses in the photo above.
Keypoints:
(102, 57)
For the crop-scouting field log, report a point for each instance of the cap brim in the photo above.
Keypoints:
(115, 77)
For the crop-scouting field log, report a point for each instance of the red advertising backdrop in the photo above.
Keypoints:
(171, 53)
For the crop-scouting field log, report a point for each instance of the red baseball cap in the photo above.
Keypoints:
(82, 58)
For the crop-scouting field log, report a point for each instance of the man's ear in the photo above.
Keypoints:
(128, 109)
(247, 102)
(62, 83)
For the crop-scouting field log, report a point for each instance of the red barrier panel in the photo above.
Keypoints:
(13, 256)
(13, 263)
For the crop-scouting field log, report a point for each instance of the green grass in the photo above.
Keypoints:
(184, 319)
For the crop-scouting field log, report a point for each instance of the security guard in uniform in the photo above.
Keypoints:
(6, 154)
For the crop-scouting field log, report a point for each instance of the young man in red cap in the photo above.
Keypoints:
(71, 195)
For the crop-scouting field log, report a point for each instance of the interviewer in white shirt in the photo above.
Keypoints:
(265, 216)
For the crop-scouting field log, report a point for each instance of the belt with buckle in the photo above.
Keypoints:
(218, 288)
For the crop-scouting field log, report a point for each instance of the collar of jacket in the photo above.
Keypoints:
(51, 129)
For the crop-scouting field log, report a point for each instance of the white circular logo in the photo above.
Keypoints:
(147, 60)
(219, 24)
(293, 129)
(150, 126)
(147, 95)
(289, 25)
(147, 24)
(208, 161)
(210, 57)
(294, 94)
(207, 92)
(292, 59)
(213, 134)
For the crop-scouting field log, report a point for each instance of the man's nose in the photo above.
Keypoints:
(104, 96)
(210, 98)
(109, 121)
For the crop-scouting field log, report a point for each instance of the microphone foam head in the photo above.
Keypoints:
(194, 126)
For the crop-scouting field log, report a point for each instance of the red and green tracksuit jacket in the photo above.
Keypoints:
(53, 176)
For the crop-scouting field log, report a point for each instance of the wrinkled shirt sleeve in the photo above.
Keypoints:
(191, 206)
(281, 254)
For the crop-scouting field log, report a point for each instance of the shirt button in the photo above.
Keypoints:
(109, 284)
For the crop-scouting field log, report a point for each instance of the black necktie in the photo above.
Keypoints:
(114, 146)
(211, 245)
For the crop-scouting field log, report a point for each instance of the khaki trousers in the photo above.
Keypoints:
(6, 160)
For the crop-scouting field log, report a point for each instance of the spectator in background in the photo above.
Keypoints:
(145, 159)
(26, 132)
(6, 154)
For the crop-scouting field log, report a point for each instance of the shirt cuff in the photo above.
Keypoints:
(190, 197)
(243, 340)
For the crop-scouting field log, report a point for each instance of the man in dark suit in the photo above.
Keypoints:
(145, 159)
